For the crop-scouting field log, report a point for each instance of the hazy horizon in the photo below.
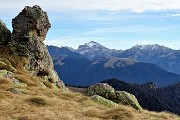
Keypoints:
(116, 24)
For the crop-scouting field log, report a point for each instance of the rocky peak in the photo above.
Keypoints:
(92, 44)
(151, 47)
(32, 21)
(94, 50)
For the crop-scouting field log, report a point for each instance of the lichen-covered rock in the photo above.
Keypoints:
(29, 31)
(106, 91)
(127, 99)
(101, 89)
(3, 73)
(5, 34)
(10, 75)
(103, 101)
(16, 91)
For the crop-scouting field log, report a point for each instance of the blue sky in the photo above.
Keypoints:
(118, 24)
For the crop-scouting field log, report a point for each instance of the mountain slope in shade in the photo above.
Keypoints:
(94, 50)
(75, 69)
(57, 52)
(130, 71)
(159, 99)
(69, 65)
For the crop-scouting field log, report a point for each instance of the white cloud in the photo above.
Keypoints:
(137, 6)
(174, 15)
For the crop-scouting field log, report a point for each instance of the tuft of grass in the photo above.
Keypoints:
(28, 79)
(38, 101)
(25, 79)
(5, 81)
(120, 113)
(93, 113)
(13, 61)
(5, 64)
(5, 95)
(48, 84)
(20, 65)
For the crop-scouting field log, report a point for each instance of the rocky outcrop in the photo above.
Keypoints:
(150, 96)
(127, 99)
(5, 34)
(106, 91)
(101, 89)
(29, 31)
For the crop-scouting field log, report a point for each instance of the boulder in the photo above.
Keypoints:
(106, 91)
(127, 99)
(103, 101)
(101, 89)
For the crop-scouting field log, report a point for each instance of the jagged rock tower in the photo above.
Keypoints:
(29, 31)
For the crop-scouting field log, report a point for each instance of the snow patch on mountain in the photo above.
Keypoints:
(94, 50)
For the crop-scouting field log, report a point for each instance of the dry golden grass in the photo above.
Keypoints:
(50, 104)
(5, 64)
(13, 61)
(26, 79)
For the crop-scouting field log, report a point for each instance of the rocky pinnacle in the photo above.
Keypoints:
(30, 27)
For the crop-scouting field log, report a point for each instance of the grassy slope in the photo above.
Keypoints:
(49, 104)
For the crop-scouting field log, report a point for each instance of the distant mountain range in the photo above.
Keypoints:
(159, 99)
(162, 56)
(76, 67)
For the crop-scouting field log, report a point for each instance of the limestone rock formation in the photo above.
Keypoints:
(106, 91)
(29, 31)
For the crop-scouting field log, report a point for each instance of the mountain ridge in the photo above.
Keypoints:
(93, 50)
(90, 72)
(160, 55)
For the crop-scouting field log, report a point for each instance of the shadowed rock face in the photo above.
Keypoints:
(5, 34)
(29, 31)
